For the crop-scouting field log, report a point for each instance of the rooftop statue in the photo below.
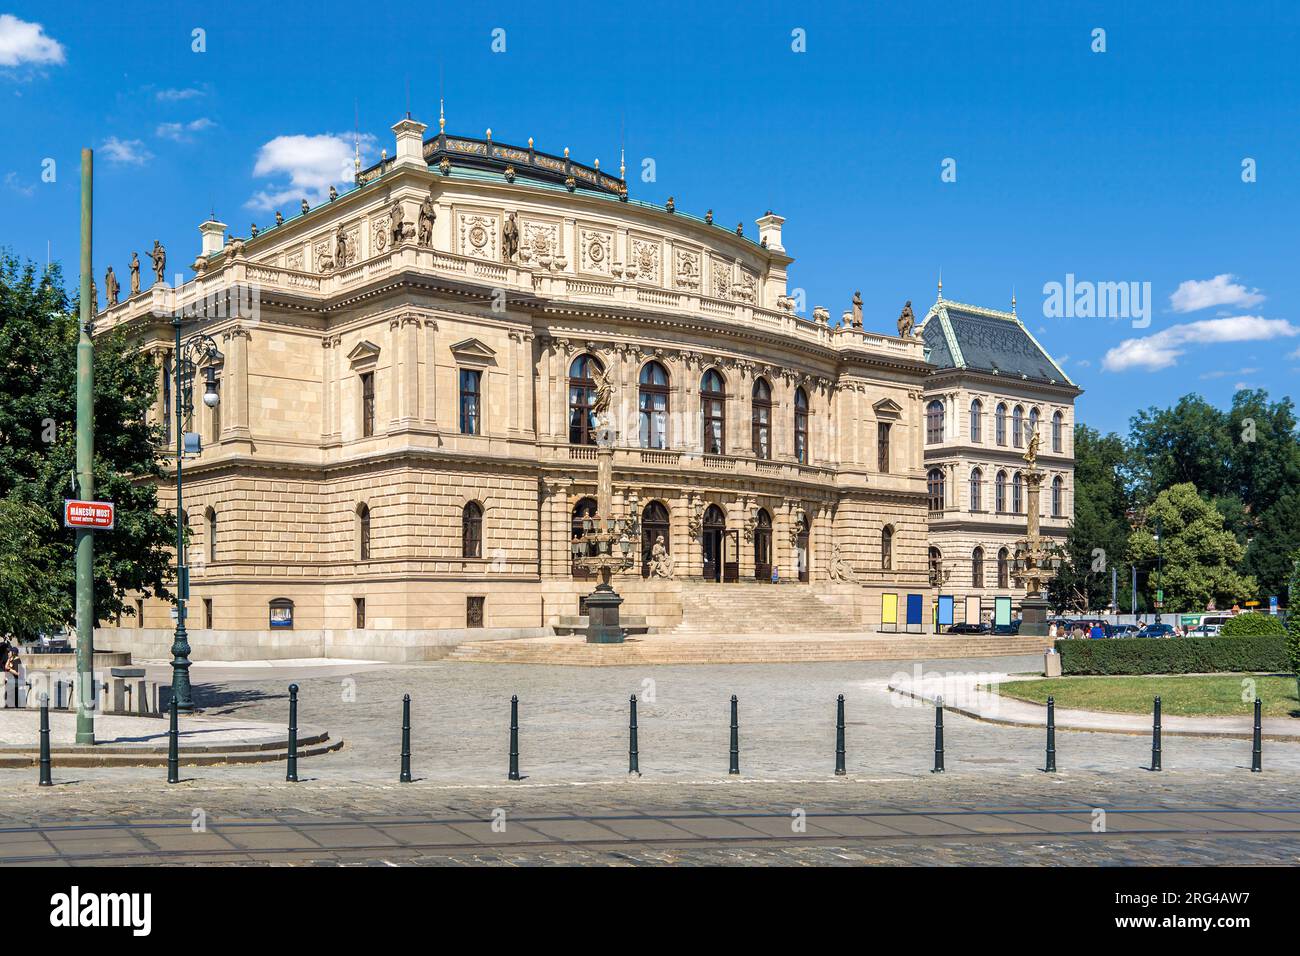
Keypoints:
(428, 216)
(135, 273)
(397, 217)
(857, 309)
(906, 320)
(111, 286)
(159, 256)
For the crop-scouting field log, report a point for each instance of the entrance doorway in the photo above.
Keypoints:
(763, 546)
(714, 527)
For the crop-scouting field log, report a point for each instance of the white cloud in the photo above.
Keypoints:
(22, 42)
(174, 96)
(312, 163)
(128, 151)
(23, 189)
(1223, 373)
(1196, 294)
(1163, 349)
(182, 132)
(1295, 356)
(1083, 363)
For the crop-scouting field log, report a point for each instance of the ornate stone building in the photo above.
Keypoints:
(404, 440)
(993, 386)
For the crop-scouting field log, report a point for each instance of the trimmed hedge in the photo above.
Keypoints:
(1174, 655)
(1253, 624)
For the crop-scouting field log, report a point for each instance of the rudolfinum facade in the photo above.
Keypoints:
(405, 445)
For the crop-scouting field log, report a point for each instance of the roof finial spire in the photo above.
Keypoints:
(442, 120)
(941, 283)
(1013, 300)
(622, 163)
(356, 139)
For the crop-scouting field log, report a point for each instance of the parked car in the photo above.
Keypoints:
(1157, 630)
(1012, 628)
(1124, 630)
(969, 629)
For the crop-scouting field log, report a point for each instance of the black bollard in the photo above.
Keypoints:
(291, 771)
(173, 748)
(1155, 738)
(514, 738)
(405, 776)
(1256, 754)
(633, 757)
(938, 735)
(45, 741)
(735, 740)
(839, 736)
(1051, 735)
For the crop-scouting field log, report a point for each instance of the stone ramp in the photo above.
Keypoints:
(744, 649)
(764, 608)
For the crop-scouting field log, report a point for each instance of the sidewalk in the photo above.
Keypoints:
(965, 694)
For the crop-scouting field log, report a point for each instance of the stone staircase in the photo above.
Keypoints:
(756, 608)
(749, 649)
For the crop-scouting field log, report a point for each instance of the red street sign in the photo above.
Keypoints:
(88, 514)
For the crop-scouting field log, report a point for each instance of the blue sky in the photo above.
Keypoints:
(1115, 166)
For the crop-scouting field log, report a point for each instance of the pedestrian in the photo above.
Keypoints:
(10, 670)
(1051, 630)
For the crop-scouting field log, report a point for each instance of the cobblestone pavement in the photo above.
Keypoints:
(1205, 807)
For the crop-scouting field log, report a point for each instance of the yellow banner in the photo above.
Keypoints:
(889, 609)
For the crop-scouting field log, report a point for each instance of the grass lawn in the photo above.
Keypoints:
(1183, 696)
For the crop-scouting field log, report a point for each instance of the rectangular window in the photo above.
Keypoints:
(367, 404)
(167, 410)
(207, 613)
(474, 610)
(469, 401)
(359, 604)
(882, 447)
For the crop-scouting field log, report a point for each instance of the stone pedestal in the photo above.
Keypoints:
(1033, 615)
(602, 616)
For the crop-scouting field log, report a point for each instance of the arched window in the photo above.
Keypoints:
(977, 421)
(1017, 426)
(936, 566)
(977, 568)
(1000, 424)
(211, 517)
(1000, 493)
(654, 525)
(760, 419)
(654, 406)
(1017, 494)
(713, 408)
(801, 426)
(762, 545)
(1057, 421)
(363, 532)
(887, 547)
(1058, 486)
(934, 485)
(584, 507)
(471, 531)
(1033, 425)
(976, 490)
(1004, 569)
(582, 395)
(934, 422)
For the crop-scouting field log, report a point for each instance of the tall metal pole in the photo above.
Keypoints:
(85, 541)
(180, 643)
(1160, 568)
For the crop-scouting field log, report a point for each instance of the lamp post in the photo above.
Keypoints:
(606, 547)
(196, 350)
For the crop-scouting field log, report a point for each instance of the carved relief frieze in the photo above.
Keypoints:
(595, 250)
(720, 271)
(478, 235)
(644, 258)
(686, 269)
(540, 240)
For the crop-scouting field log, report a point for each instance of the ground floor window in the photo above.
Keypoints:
(474, 605)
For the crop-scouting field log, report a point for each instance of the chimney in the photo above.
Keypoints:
(214, 236)
(410, 143)
(769, 228)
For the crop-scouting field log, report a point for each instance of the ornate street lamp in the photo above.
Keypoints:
(198, 349)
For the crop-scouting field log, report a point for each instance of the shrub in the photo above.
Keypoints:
(1252, 624)
(1177, 655)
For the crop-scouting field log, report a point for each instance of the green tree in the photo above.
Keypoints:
(1189, 443)
(1098, 534)
(29, 604)
(38, 339)
(1276, 539)
(1293, 621)
(1200, 556)
(1253, 624)
(1265, 459)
